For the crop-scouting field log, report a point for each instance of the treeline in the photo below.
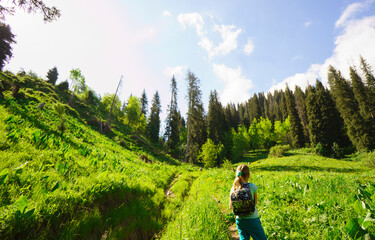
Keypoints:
(335, 120)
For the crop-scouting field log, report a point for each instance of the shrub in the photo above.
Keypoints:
(337, 151)
(279, 150)
(321, 150)
(227, 164)
(63, 86)
(369, 159)
(210, 153)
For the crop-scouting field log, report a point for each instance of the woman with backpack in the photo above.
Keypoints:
(243, 200)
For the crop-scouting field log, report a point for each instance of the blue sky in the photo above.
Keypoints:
(238, 47)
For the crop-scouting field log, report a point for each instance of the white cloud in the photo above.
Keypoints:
(357, 38)
(166, 13)
(300, 79)
(177, 71)
(237, 87)
(228, 33)
(249, 47)
(350, 11)
(192, 19)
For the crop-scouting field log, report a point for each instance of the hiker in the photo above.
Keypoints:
(247, 220)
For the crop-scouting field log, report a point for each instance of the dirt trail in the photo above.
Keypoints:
(231, 228)
(167, 191)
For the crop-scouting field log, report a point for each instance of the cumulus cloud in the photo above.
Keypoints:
(300, 79)
(177, 71)
(237, 87)
(228, 33)
(249, 47)
(192, 19)
(355, 40)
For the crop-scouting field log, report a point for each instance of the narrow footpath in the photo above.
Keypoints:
(232, 228)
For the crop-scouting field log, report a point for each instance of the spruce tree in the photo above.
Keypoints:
(196, 124)
(283, 106)
(262, 104)
(270, 108)
(254, 109)
(6, 40)
(216, 122)
(370, 87)
(52, 75)
(349, 110)
(153, 127)
(360, 95)
(172, 128)
(296, 130)
(324, 123)
(301, 108)
(144, 103)
(231, 116)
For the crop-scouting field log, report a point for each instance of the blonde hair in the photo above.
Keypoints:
(239, 180)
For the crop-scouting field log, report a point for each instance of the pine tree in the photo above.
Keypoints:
(269, 107)
(324, 122)
(349, 110)
(216, 122)
(361, 96)
(301, 108)
(283, 106)
(370, 87)
(296, 129)
(262, 104)
(144, 103)
(253, 108)
(231, 116)
(172, 128)
(196, 124)
(153, 127)
(52, 75)
(6, 40)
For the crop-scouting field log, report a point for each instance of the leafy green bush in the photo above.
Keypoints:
(321, 150)
(210, 153)
(279, 150)
(227, 164)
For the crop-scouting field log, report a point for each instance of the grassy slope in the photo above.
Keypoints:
(79, 184)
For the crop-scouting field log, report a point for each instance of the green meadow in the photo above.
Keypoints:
(82, 183)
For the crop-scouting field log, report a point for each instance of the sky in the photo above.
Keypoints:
(238, 47)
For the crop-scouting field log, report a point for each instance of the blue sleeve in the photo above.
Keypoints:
(253, 188)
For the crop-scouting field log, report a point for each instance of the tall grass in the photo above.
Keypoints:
(199, 218)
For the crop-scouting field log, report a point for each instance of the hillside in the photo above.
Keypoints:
(73, 183)
(62, 177)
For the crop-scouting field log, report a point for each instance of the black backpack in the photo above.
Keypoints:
(243, 201)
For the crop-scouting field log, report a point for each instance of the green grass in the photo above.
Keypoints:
(84, 184)
(302, 196)
(76, 184)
